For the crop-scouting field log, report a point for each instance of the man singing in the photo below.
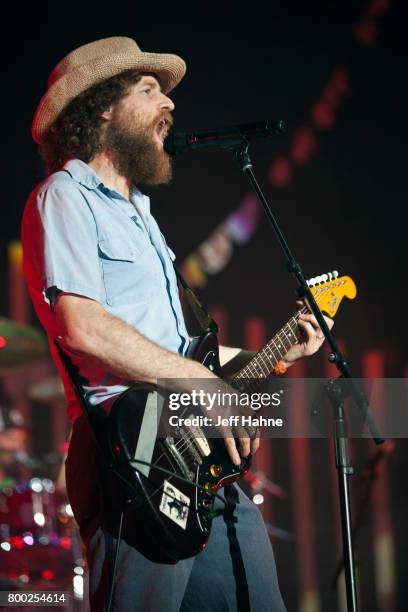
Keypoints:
(102, 282)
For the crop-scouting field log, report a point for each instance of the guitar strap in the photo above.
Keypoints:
(204, 319)
(93, 411)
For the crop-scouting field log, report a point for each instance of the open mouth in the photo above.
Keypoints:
(162, 129)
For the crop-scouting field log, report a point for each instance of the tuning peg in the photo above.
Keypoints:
(323, 278)
(317, 280)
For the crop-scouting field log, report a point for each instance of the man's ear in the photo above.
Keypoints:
(107, 114)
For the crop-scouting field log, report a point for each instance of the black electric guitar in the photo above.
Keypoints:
(169, 518)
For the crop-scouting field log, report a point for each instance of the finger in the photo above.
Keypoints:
(313, 321)
(329, 322)
(309, 317)
(307, 329)
(255, 445)
(245, 446)
(232, 450)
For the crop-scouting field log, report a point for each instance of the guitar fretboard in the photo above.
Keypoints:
(263, 363)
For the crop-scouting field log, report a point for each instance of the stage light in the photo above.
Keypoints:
(39, 518)
(65, 542)
(36, 485)
(17, 542)
(48, 485)
(78, 583)
(47, 574)
(24, 578)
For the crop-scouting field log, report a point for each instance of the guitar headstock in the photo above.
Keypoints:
(329, 290)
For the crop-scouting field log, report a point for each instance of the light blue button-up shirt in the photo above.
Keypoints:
(81, 237)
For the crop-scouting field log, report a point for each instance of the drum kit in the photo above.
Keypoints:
(39, 543)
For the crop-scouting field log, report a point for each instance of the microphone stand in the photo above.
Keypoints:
(335, 391)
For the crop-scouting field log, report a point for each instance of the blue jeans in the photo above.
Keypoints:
(235, 573)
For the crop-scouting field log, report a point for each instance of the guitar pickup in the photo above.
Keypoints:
(200, 440)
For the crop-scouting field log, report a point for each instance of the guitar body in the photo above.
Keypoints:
(166, 518)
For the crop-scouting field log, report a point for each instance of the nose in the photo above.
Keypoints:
(166, 103)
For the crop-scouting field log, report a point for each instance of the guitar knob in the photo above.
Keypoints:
(215, 470)
(210, 488)
(335, 274)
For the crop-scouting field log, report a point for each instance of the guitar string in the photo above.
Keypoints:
(248, 367)
(183, 444)
(319, 293)
(187, 443)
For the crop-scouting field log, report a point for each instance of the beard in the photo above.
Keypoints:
(135, 153)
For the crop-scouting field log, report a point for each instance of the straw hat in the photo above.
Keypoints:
(95, 62)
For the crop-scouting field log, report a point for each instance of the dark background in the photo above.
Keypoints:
(344, 208)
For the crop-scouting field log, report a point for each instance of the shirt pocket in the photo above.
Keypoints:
(128, 270)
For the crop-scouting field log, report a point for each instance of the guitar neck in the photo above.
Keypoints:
(328, 291)
(263, 363)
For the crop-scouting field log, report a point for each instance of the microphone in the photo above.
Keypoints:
(181, 142)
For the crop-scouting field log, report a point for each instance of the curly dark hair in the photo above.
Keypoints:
(77, 130)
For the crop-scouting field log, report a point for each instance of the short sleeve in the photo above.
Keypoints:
(59, 235)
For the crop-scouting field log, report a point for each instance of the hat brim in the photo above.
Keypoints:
(169, 70)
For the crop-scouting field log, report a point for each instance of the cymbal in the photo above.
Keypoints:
(20, 345)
